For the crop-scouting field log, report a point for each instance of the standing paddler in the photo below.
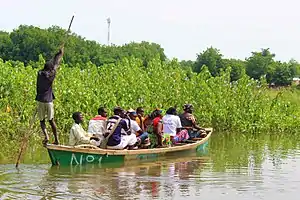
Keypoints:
(45, 95)
(44, 98)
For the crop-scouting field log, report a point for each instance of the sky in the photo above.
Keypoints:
(182, 28)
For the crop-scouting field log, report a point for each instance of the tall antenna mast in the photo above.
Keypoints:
(108, 33)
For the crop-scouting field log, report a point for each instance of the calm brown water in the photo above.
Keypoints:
(237, 167)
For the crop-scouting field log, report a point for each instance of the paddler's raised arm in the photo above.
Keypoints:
(57, 58)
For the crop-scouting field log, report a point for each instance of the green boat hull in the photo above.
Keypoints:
(65, 155)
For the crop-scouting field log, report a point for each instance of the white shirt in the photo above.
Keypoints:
(134, 127)
(170, 124)
(97, 126)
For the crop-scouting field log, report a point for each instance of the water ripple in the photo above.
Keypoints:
(275, 176)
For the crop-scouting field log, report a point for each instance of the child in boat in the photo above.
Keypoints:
(78, 135)
(119, 140)
(97, 125)
(172, 126)
(142, 137)
(188, 121)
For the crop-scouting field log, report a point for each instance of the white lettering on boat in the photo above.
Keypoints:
(90, 158)
(82, 159)
(74, 158)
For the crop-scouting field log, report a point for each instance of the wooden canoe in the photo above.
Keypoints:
(79, 155)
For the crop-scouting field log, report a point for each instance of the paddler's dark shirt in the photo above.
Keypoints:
(45, 79)
(44, 86)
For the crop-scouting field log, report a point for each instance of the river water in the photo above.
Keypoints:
(237, 166)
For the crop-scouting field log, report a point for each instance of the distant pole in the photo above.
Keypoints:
(108, 33)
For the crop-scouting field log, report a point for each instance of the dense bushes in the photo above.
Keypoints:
(240, 106)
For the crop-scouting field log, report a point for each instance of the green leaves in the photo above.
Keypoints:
(240, 106)
(260, 66)
(212, 58)
(26, 43)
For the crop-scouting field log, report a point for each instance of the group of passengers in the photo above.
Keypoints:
(131, 129)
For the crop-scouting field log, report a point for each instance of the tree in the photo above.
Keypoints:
(294, 67)
(259, 63)
(187, 64)
(237, 68)
(5, 44)
(145, 51)
(281, 74)
(212, 58)
(26, 43)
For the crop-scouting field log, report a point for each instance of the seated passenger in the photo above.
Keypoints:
(97, 125)
(142, 137)
(172, 126)
(158, 127)
(140, 118)
(78, 135)
(188, 121)
(153, 125)
(117, 139)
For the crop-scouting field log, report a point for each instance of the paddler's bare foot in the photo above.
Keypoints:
(45, 142)
(55, 142)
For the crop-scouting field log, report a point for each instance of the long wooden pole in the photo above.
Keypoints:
(27, 134)
(69, 29)
(70, 24)
(25, 138)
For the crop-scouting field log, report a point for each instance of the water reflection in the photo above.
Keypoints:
(150, 180)
(237, 167)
